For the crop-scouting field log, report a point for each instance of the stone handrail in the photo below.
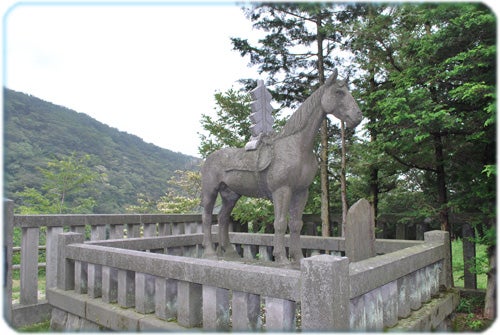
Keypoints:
(147, 282)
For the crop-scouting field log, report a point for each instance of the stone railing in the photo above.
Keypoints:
(31, 307)
(157, 287)
(174, 240)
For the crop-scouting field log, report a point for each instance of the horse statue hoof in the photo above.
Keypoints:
(210, 254)
(282, 260)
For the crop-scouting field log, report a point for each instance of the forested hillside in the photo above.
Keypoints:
(36, 131)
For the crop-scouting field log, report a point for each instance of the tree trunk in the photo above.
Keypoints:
(374, 190)
(343, 181)
(325, 185)
(441, 183)
(441, 189)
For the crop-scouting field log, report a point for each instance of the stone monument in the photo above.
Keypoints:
(280, 169)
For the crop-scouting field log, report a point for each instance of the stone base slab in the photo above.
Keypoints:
(431, 316)
(88, 314)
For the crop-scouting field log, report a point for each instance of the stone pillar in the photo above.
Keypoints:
(29, 266)
(215, 308)
(98, 233)
(66, 267)
(166, 298)
(189, 304)
(440, 236)
(116, 231)
(144, 293)
(81, 277)
(400, 231)
(280, 314)
(374, 310)
(325, 291)
(8, 245)
(469, 256)
(360, 232)
(390, 303)
(126, 288)
(404, 289)
(246, 311)
(95, 280)
(51, 256)
(149, 229)
(109, 284)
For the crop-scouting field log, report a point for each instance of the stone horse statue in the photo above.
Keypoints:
(281, 169)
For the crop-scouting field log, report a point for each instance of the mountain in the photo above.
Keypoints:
(36, 131)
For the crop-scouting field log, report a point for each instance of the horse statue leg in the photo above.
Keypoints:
(297, 204)
(229, 199)
(281, 201)
(207, 202)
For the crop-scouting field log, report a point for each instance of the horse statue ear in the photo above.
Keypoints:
(333, 77)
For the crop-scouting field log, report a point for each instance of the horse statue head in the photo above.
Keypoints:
(337, 100)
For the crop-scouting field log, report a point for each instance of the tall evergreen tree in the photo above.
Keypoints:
(300, 44)
(428, 85)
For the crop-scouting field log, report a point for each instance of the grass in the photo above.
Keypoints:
(458, 264)
(41, 327)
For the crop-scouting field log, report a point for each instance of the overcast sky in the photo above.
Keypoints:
(150, 70)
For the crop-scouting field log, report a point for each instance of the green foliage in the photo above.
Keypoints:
(427, 87)
(287, 54)
(230, 127)
(37, 327)
(183, 196)
(480, 268)
(258, 213)
(37, 132)
(66, 187)
(185, 201)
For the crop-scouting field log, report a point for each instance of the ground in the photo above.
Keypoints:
(469, 315)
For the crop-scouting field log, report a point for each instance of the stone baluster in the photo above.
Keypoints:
(189, 304)
(280, 314)
(246, 311)
(264, 253)
(97, 233)
(126, 288)
(78, 229)
(216, 314)
(404, 290)
(81, 277)
(133, 230)
(390, 303)
(51, 256)
(144, 293)
(166, 298)
(65, 266)
(29, 266)
(116, 231)
(415, 292)
(109, 284)
(164, 229)
(374, 310)
(94, 280)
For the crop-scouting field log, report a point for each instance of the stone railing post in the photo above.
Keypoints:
(325, 293)
(66, 267)
(445, 279)
(8, 245)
